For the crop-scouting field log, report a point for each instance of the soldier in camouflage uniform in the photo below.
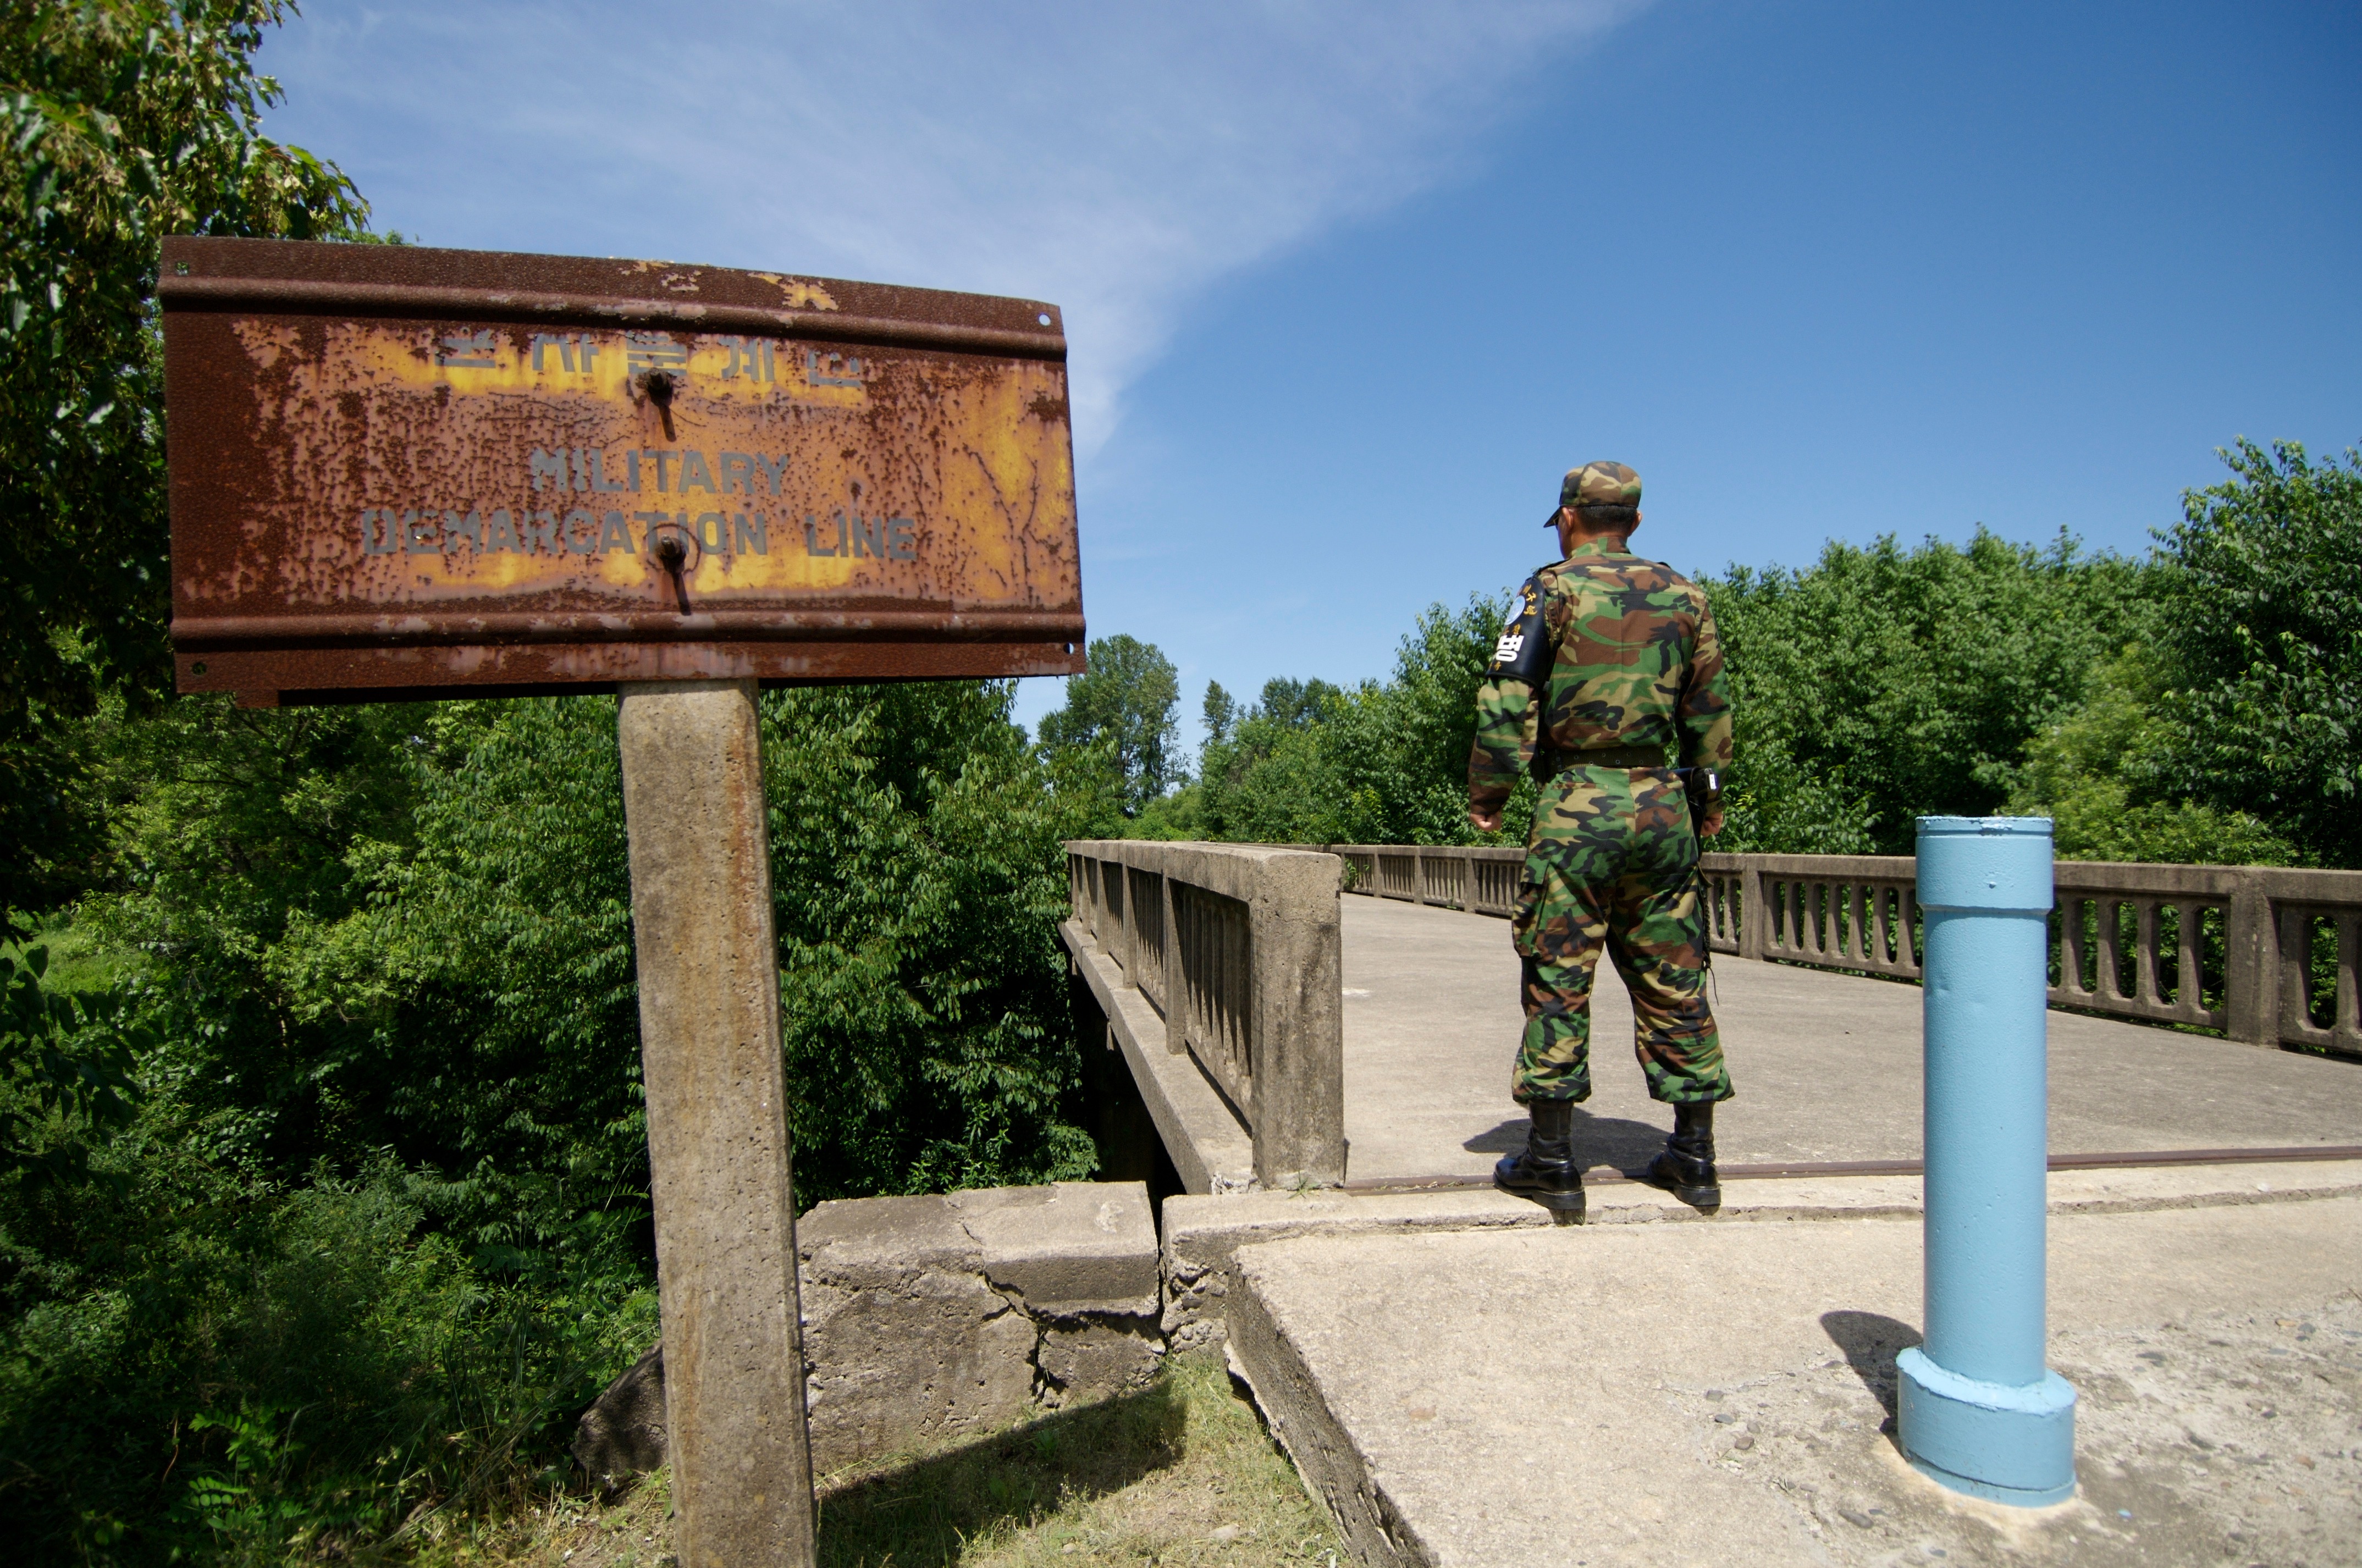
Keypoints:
(1607, 685)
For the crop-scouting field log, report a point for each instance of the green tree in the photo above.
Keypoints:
(2265, 638)
(916, 859)
(242, 841)
(382, 1224)
(1221, 710)
(66, 1074)
(409, 929)
(124, 121)
(2103, 774)
(1273, 782)
(1127, 700)
(199, 1364)
(1382, 763)
(1291, 704)
(1880, 684)
(1876, 685)
(1431, 711)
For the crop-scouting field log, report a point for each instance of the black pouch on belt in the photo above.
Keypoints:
(1703, 787)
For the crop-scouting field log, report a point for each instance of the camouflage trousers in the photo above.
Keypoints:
(1613, 863)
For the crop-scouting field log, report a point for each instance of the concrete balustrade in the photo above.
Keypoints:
(1479, 880)
(2247, 933)
(1217, 969)
(1834, 912)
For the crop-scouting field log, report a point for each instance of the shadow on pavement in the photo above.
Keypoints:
(1870, 1343)
(1616, 1141)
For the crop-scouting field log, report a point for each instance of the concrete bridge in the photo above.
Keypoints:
(1323, 1081)
(1277, 1033)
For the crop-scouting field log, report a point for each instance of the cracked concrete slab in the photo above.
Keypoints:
(1717, 1393)
(929, 1318)
(1069, 1249)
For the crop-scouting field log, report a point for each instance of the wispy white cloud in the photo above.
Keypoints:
(1116, 160)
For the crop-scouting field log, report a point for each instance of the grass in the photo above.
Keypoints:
(80, 962)
(1181, 1473)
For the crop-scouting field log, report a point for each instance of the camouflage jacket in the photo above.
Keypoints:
(1603, 649)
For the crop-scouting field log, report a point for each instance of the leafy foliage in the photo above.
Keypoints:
(383, 1220)
(1883, 684)
(2228, 736)
(1875, 686)
(2264, 640)
(198, 1362)
(119, 123)
(1310, 763)
(1221, 710)
(2102, 773)
(1128, 702)
(67, 1065)
(1292, 704)
(2200, 705)
(920, 881)
(241, 840)
(409, 929)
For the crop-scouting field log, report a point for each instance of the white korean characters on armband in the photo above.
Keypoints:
(1512, 643)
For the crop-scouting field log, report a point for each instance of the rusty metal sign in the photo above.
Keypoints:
(404, 472)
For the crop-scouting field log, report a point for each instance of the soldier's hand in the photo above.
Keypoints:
(1486, 822)
(1713, 823)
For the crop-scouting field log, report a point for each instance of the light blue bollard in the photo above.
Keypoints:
(1979, 1411)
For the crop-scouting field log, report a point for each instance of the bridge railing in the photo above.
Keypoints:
(1482, 881)
(1237, 949)
(2269, 955)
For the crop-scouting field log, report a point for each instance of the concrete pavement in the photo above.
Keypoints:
(1467, 1384)
(1717, 1393)
(1826, 1065)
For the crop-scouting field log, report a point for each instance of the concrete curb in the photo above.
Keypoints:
(1202, 1235)
(1334, 1467)
(935, 1317)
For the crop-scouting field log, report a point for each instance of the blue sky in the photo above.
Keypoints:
(1349, 285)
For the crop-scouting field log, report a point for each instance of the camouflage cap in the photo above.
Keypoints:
(1596, 484)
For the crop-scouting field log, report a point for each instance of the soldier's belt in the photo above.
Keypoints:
(1616, 756)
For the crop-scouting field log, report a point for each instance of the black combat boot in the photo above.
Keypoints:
(1687, 1167)
(1545, 1170)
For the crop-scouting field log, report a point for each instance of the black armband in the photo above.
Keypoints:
(1524, 651)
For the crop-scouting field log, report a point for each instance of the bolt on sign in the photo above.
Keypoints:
(400, 472)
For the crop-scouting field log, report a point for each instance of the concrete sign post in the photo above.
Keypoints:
(399, 473)
(709, 980)
(1979, 1411)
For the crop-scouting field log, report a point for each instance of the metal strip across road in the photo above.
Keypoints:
(2129, 1160)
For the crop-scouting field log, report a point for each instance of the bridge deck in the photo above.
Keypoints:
(1826, 1065)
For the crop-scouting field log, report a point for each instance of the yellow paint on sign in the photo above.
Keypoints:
(428, 464)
